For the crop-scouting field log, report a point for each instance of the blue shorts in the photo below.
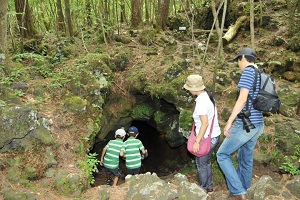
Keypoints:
(115, 172)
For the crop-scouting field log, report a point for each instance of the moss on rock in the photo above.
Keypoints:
(75, 104)
(142, 112)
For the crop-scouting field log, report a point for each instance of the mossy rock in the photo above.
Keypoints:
(174, 71)
(14, 174)
(70, 184)
(30, 172)
(43, 135)
(18, 121)
(75, 104)
(9, 96)
(18, 195)
(294, 43)
(122, 39)
(159, 117)
(146, 37)
(185, 121)
(98, 62)
(121, 58)
(142, 112)
(288, 139)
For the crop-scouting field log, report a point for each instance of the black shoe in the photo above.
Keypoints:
(108, 181)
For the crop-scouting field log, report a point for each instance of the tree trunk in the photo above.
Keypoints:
(293, 17)
(252, 23)
(68, 18)
(60, 16)
(214, 12)
(163, 13)
(232, 31)
(298, 110)
(136, 13)
(3, 30)
(147, 16)
(25, 19)
(88, 13)
(123, 12)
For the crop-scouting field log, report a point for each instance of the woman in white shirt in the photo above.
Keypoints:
(204, 112)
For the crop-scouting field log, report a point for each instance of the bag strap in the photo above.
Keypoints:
(254, 86)
(212, 123)
(193, 125)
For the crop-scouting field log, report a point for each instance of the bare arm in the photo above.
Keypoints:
(239, 105)
(102, 155)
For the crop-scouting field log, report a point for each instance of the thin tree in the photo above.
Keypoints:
(68, 18)
(60, 16)
(123, 11)
(3, 30)
(25, 19)
(252, 23)
(293, 16)
(88, 13)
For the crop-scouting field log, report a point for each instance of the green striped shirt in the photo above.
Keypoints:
(132, 148)
(111, 158)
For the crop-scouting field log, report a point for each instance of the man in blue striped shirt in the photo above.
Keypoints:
(237, 137)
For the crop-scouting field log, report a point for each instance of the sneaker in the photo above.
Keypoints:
(108, 181)
(238, 197)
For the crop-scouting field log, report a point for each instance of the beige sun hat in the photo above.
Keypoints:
(194, 83)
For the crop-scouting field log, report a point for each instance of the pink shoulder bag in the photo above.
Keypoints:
(204, 144)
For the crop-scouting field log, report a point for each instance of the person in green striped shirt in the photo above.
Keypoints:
(132, 151)
(110, 156)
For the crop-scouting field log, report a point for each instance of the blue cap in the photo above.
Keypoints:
(133, 129)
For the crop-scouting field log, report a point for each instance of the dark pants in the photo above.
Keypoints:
(133, 171)
(204, 166)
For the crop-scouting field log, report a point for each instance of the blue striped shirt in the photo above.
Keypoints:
(246, 81)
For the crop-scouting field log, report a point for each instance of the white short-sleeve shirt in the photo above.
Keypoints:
(204, 106)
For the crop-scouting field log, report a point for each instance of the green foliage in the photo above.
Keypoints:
(174, 71)
(289, 165)
(88, 166)
(159, 117)
(142, 112)
(19, 93)
(12, 77)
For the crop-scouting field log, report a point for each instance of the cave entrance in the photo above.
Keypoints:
(162, 160)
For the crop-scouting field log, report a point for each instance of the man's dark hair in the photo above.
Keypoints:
(250, 59)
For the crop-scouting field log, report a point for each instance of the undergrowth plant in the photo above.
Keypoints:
(89, 166)
(289, 165)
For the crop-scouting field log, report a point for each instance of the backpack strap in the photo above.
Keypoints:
(254, 85)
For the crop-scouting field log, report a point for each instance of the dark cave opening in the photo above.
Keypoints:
(162, 159)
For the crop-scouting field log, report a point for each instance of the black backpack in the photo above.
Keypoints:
(267, 98)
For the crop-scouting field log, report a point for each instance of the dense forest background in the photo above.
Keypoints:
(72, 71)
